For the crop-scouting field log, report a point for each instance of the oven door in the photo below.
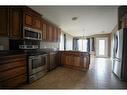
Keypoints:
(37, 63)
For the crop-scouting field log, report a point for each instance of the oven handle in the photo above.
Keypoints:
(32, 57)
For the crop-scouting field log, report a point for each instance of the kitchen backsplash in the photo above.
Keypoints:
(51, 45)
(4, 43)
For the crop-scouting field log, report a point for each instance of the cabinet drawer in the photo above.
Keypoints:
(14, 82)
(11, 65)
(12, 73)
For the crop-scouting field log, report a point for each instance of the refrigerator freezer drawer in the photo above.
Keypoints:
(117, 68)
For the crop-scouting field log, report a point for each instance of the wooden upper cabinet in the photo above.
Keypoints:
(49, 33)
(15, 23)
(44, 30)
(37, 23)
(28, 20)
(58, 35)
(55, 34)
(4, 21)
(32, 19)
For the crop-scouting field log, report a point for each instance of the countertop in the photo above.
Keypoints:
(10, 52)
(73, 51)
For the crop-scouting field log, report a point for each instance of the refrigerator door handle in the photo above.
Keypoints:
(116, 59)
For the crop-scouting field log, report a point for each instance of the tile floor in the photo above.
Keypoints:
(99, 76)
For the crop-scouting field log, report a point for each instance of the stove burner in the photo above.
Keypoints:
(34, 52)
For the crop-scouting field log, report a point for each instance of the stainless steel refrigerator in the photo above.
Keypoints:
(119, 66)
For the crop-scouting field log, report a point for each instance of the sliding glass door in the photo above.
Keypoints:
(82, 45)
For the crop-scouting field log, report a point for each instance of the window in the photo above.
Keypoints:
(62, 41)
(82, 45)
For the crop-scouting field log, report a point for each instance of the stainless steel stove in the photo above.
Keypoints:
(37, 59)
(37, 65)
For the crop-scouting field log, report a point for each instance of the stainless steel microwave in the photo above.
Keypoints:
(33, 34)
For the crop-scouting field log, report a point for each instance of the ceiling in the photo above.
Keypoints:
(90, 19)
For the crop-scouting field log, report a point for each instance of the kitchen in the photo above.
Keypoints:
(31, 50)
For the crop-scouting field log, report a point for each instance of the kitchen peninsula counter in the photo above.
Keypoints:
(75, 59)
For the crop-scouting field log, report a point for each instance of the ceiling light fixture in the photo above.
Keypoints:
(74, 18)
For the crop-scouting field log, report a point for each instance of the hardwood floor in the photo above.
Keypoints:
(99, 76)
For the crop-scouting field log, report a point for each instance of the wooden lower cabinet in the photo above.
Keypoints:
(12, 70)
(69, 60)
(13, 82)
(76, 60)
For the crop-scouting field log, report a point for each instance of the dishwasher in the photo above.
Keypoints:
(52, 60)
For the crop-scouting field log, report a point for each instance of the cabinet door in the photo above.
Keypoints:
(77, 61)
(63, 58)
(37, 23)
(15, 22)
(66, 59)
(28, 19)
(44, 31)
(55, 34)
(4, 21)
(50, 33)
(69, 59)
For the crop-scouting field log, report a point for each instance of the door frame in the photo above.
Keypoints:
(106, 46)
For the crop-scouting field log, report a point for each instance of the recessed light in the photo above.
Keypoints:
(74, 18)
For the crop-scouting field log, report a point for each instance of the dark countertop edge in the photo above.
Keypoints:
(73, 51)
(4, 53)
